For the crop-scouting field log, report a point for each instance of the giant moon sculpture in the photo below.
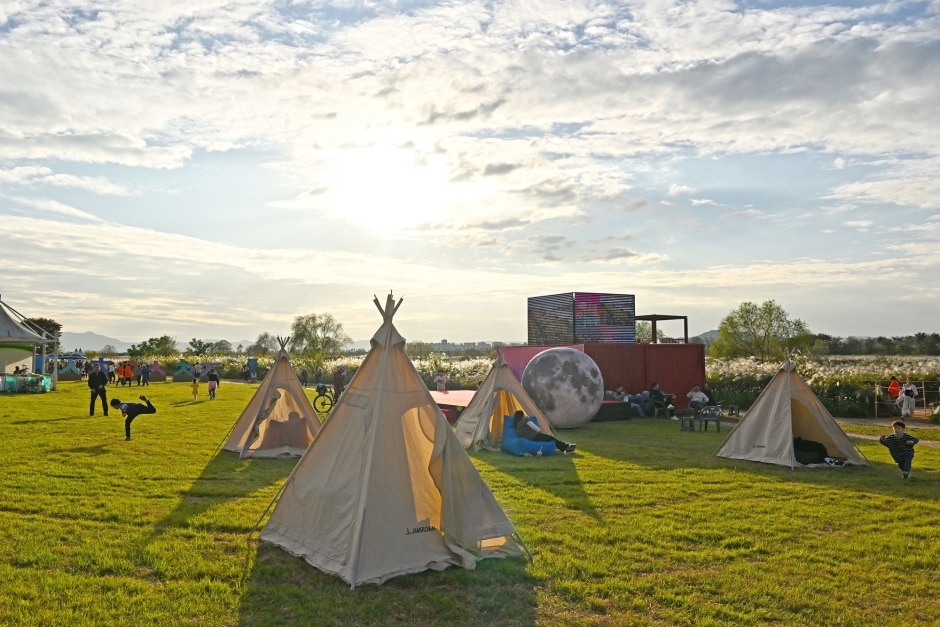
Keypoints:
(566, 385)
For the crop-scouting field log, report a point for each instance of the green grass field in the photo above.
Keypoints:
(642, 527)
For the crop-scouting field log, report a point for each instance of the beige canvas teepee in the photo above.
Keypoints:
(386, 489)
(481, 423)
(786, 409)
(279, 420)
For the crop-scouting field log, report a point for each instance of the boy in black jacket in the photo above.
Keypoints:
(97, 381)
(132, 410)
(901, 447)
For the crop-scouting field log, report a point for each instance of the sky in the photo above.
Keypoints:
(214, 169)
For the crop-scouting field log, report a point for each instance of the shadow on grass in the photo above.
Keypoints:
(224, 479)
(662, 446)
(94, 451)
(64, 419)
(189, 402)
(285, 590)
(556, 475)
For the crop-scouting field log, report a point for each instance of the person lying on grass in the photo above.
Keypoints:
(901, 447)
(528, 429)
(131, 411)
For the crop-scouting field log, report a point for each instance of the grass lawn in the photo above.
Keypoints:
(642, 527)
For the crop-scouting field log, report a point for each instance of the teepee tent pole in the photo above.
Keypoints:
(367, 472)
(786, 352)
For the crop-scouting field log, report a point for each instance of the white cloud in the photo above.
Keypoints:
(54, 206)
(861, 225)
(703, 201)
(675, 190)
(748, 213)
(96, 184)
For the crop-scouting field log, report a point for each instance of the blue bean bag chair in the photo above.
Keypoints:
(514, 445)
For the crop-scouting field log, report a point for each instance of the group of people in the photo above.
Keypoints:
(640, 404)
(127, 372)
(904, 395)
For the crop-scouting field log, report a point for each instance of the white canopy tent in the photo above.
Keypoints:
(20, 339)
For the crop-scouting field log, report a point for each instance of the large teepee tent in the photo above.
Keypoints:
(787, 409)
(481, 423)
(386, 489)
(279, 420)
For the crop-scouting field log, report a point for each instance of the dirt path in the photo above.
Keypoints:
(865, 436)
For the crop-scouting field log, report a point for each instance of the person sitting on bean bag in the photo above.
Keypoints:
(528, 429)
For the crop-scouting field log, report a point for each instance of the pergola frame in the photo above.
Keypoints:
(47, 340)
(654, 318)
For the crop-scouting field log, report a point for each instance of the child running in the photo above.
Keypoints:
(901, 447)
(131, 411)
(195, 387)
(213, 383)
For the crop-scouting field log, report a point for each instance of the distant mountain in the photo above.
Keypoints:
(708, 337)
(90, 341)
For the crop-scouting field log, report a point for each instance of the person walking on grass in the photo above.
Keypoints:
(131, 411)
(901, 447)
(195, 387)
(303, 377)
(97, 382)
(212, 383)
(145, 373)
(441, 381)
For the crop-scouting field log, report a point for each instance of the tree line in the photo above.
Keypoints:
(764, 331)
(316, 336)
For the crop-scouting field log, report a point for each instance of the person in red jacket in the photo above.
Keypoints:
(894, 388)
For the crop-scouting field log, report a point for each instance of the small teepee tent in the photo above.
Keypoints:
(787, 409)
(279, 420)
(481, 423)
(385, 489)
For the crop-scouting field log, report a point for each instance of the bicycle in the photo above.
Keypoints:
(325, 399)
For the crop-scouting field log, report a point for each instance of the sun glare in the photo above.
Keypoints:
(385, 190)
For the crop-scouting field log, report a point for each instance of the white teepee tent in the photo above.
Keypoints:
(786, 409)
(279, 420)
(481, 423)
(385, 489)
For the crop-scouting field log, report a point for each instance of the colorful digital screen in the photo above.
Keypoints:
(574, 318)
(604, 318)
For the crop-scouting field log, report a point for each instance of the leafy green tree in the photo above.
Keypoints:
(163, 346)
(48, 325)
(644, 332)
(762, 331)
(222, 347)
(319, 335)
(418, 349)
(108, 350)
(264, 345)
(199, 347)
